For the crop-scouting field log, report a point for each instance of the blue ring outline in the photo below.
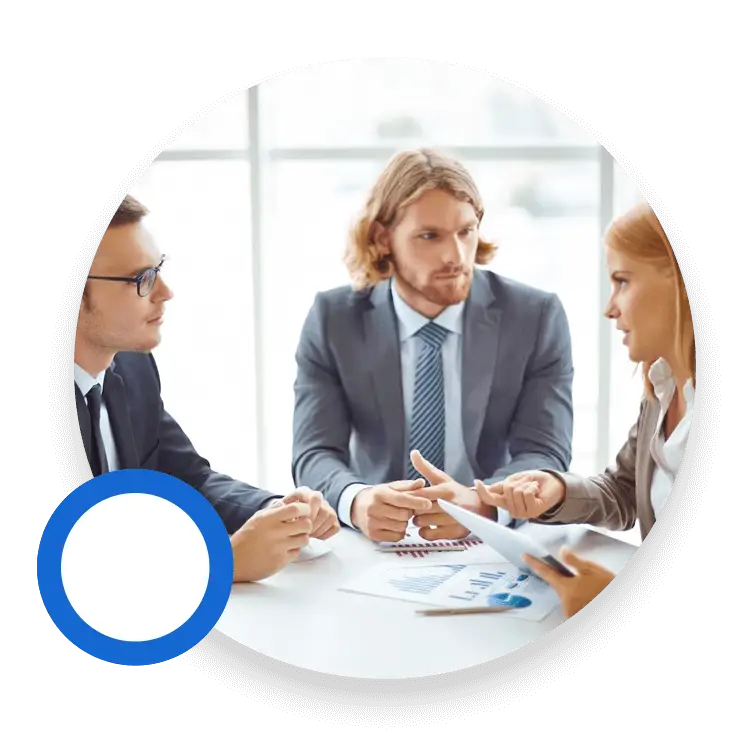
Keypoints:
(90, 640)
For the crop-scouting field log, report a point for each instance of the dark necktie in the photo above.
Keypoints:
(94, 402)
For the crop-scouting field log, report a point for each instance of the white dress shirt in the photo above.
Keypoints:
(85, 383)
(667, 454)
(409, 323)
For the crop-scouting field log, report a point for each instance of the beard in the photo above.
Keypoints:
(443, 292)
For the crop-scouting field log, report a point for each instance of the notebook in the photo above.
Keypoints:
(414, 546)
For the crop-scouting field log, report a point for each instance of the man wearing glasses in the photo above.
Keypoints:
(122, 418)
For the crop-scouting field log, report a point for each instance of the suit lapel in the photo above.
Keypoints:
(119, 417)
(646, 467)
(84, 422)
(480, 341)
(382, 343)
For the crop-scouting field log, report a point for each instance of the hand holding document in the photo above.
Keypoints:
(575, 592)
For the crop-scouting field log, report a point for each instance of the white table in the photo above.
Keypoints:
(298, 616)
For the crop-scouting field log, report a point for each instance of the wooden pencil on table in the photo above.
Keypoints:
(462, 611)
(422, 548)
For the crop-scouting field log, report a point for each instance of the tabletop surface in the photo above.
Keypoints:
(300, 617)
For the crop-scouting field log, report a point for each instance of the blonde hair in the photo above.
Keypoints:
(638, 234)
(405, 178)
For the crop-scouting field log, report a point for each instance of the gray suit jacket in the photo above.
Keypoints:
(516, 383)
(621, 495)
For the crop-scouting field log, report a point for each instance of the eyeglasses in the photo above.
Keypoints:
(144, 281)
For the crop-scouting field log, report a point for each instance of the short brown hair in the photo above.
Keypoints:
(405, 178)
(130, 211)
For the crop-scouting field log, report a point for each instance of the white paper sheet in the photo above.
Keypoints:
(460, 585)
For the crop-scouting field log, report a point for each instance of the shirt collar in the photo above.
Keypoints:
(661, 377)
(411, 321)
(86, 382)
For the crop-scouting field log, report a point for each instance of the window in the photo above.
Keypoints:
(224, 127)
(626, 377)
(199, 217)
(397, 103)
(305, 216)
(246, 263)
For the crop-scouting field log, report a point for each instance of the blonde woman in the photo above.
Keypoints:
(649, 305)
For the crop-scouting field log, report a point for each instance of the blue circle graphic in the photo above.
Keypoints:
(49, 567)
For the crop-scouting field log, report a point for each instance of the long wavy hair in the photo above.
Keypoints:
(405, 178)
(639, 234)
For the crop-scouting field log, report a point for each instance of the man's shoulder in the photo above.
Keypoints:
(513, 293)
(343, 298)
(135, 366)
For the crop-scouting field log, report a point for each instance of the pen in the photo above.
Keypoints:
(462, 611)
(422, 548)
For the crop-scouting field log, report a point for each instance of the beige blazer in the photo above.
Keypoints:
(622, 494)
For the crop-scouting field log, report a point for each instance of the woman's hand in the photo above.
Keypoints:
(575, 593)
(527, 494)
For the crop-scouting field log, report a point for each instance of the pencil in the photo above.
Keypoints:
(422, 548)
(462, 611)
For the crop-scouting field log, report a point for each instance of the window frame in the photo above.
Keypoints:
(260, 159)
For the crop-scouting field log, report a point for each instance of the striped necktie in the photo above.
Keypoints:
(427, 430)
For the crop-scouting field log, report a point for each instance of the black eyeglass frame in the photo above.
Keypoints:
(139, 279)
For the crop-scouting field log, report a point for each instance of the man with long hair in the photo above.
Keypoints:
(426, 356)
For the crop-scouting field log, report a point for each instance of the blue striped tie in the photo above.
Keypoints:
(427, 430)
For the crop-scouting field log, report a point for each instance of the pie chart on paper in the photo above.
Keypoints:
(507, 600)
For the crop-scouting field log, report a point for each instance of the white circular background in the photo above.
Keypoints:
(135, 567)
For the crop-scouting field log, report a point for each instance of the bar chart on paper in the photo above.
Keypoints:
(456, 585)
(429, 548)
(424, 583)
(413, 545)
(480, 584)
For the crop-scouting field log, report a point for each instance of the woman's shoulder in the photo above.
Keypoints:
(648, 417)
